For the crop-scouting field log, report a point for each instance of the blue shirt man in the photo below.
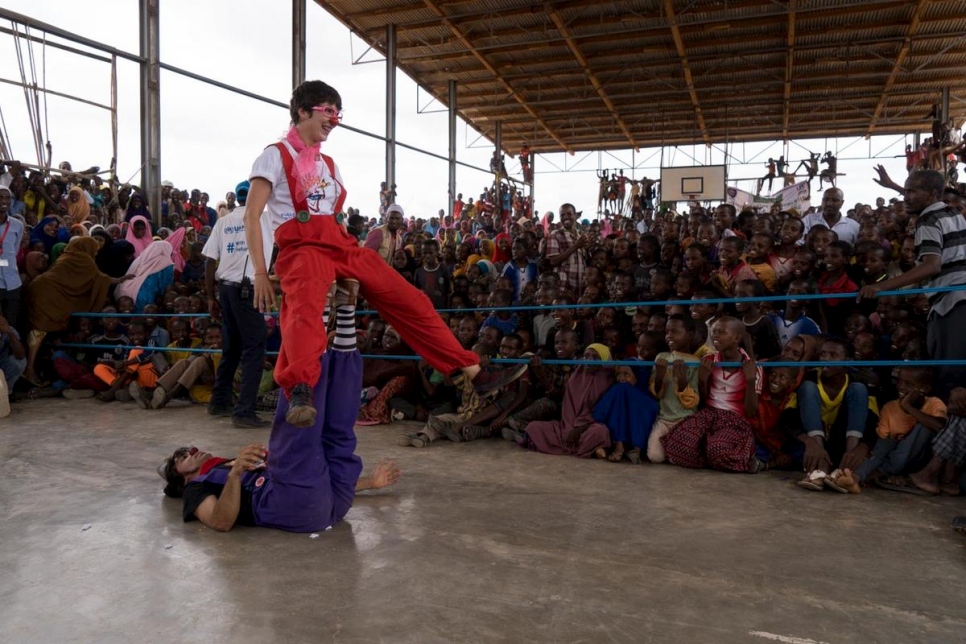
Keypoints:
(11, 233)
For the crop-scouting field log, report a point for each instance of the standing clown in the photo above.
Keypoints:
(301, 190)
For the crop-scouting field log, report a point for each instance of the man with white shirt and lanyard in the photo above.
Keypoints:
(242, 326)
(11, 232)
(831, 215)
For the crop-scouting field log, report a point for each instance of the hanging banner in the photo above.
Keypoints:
(795, 197)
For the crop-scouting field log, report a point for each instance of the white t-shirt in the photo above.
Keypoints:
(322, 201)
(227, 246)
(847, 229)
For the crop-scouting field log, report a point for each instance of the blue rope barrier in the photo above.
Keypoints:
(554, 361)
(601, 305)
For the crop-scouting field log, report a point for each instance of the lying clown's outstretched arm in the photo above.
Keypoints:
(384, 475)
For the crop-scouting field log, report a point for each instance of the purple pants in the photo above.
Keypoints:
(312, 472)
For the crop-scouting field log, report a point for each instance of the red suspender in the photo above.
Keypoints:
(340, 201)
(299, 201)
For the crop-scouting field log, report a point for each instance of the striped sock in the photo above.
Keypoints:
(345, 328)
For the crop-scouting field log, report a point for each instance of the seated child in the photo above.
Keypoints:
(119, 374)
(906, 429)
(468, 413)
(628, 409)
(837, 419)
(194, 376)
(720, 436)
(576, 433)
(181, 339)
(549, 383)
(775, 446)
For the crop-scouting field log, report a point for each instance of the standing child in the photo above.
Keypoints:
(789, 236)
(676, 390)
(794, 320)
(432, 278)
(759, 259)
(836, 280)
(761, 331)
(733, 269)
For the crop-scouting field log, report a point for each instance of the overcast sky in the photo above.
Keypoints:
(211, 136)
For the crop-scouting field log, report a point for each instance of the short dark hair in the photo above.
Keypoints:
(686, 320)
(843, 246)
(174, 481)
(312, 93)
(930, 180)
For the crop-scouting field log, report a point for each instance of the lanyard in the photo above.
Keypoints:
(3, 237)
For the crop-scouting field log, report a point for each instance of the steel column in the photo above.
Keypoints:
(452, 147)
(498, 143)
(151, 106)
(298, 42)
(391, 106)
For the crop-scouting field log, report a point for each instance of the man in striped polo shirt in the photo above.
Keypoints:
(941, 261)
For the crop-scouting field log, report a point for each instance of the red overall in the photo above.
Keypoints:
(310, 256)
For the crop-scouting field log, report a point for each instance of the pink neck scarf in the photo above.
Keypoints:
(306, 162)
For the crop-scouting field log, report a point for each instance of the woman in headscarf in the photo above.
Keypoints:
(78, 230)
(139, 234)
(149, 276)
(503, 249)
(77, 205)
(137, 208)
(72, 285)
(114, 231)
(487, 248)
(404, 264)
(49, 232)
(176, 241)
(577, 433)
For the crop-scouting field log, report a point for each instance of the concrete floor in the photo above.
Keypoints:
(478, 543)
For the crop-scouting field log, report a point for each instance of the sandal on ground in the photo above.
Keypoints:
(901, 484)
(813, 481)
(600, 452)
(959, 525)
(617, 454)
(842, 482)
(420, 440)
(405, 440)
(634, 456)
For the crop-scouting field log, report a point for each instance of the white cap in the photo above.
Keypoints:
(167, 184)
(395, 208)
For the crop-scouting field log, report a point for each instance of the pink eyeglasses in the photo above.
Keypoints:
(334, 115)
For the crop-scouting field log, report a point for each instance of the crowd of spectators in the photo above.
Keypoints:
(84, 247)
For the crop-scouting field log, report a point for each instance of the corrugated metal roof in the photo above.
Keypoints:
(650, 72)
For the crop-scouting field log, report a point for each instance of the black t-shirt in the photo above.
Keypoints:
(196, 493)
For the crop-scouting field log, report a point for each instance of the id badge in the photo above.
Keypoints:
(4, 263)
